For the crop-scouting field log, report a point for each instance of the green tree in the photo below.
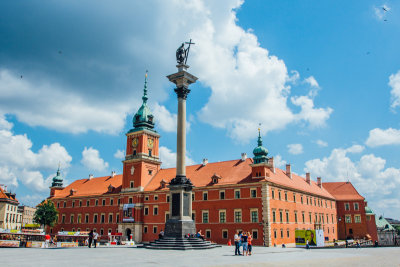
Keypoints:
(46, 213)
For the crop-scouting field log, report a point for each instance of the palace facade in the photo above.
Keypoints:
(245, 194)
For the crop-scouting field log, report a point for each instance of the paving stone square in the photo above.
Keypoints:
(223, 256)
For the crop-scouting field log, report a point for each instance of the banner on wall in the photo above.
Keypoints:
(128, 213)
(315, 238)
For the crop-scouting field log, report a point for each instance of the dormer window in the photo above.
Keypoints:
(110, 188)
(215, 178)
(163, 183)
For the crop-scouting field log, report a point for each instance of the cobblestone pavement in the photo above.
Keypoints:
(214, 257)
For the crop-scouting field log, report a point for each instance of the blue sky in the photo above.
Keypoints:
(322, 78)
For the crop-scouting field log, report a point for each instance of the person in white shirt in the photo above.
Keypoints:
(95, 236)
(236, 238)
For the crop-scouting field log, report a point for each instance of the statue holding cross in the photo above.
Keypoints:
(182, 53)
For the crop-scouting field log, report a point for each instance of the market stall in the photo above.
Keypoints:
(22, 238)
(71, 239)
(114, 239)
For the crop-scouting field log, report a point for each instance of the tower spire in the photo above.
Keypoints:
(144, 98)
(259, 141)
(143, 118)
(260, 152)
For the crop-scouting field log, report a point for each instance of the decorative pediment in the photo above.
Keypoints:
(215, 178)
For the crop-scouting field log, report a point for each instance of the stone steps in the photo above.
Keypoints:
(180, 244)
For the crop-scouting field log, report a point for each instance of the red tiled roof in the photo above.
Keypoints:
(297, 182)
(91, 187)
(234, 172)
(3, 195)
(231, 172)
(342, 191)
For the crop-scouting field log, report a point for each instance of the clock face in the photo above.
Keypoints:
(135, 142)
(150, 143)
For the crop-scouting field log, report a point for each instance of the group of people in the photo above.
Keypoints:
(93, 236)
(243, 239)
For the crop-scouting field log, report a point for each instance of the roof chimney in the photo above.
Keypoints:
(205, 161)
(244, 156)
(308, 180)
(90, 176)
(271, 162)
(319, 183)
(288, 171)
(113, 173)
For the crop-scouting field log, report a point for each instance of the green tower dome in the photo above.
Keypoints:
(260, 152)
(143, 118)
(57, 180)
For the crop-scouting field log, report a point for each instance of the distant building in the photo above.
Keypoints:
(27, 215)
(10, 218)
(355, 219)
(386, 232)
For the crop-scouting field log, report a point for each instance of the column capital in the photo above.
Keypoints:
(182, 92)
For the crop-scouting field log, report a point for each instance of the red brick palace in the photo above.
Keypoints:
(248, 194)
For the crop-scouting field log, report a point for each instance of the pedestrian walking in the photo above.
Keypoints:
(236, 238)
(307, 245)
(90, 238)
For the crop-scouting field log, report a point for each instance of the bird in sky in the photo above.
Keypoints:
(384, 9)
(21, 76)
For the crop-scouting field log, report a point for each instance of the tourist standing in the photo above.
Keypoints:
(249, 244)
(244, 243)
(95, 236)
(236, 238)
(90, 238)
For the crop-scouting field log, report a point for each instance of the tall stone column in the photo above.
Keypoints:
(180, 222)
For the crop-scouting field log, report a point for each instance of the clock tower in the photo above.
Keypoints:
(142, 160)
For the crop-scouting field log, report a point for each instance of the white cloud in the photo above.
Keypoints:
(316, 117)
(168, 158)
(119, 154)
(279, 162)
(248, 83)
(368, 175)
(295, 149)
(312, 81)
(80, 91)
(378, 137)
(18, 163)
(394, 82)
(56, 107)
(164, 119)
(32, 200)
(355, 149)
(321, 143)
(91, 160)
